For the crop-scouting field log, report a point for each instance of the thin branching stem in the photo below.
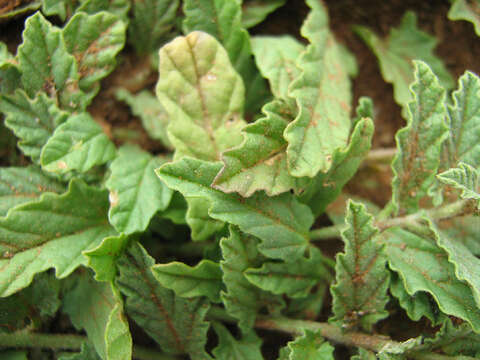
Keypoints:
(69, 342)
(381, 155)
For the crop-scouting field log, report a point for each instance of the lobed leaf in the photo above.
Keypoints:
(434, 274)
(295, 280)
(32, 233)
(120, 8)
(310, 346)
(32, 120)
(275, 57)
(464, 178)
(201, 224)
(254, 12)
(322, 93)
(136, 194)
(20, 185)
(465, 230)
(97, 307)
(230, 348)
(151, 23)
(204, 279)
(149, 109)
(465, 10)
(47, 66)
(242, 300)
(203, 96)
(419, 143)
(77, 144)
(260, 162)
(227, 29)
(281, 222)
(94, 41)
(176, 324)
(397, 52)
(360, 293)
(9, 71)
(326, 187)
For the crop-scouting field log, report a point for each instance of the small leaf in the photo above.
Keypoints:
(19, 9)
(295, 279)
(227, 29)
(364, 354)
(322, 92)
(260, 162)
(275, 57)
(47, 66)
(136, 194)
(32, 234)
(9, 71)
(204, 279)
(232, 349)
(102, 258)
(242, 300)
(202, 94)
(32, 120)
(176, 324)
(360, 293)
(119, 8)
(151, 23)
(281, 222)
(78, 144)
(424, 267)
(154, 117)
(202, 225)
(419, 143)
(21, 185)
(310, 346)
(465, 10)
(464, 230)
(326, 187)
(464, 178)
(254, 12)
(97, 307)
(396, 53)
(94, 41)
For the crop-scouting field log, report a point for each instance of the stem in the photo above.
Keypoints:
(68, 342)
(458, 208)
(381, 155)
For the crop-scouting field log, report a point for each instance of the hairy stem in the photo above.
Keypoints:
(381, 155)
(458, 208)
(68, 342)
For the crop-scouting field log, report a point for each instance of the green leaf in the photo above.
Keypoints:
(102, 258)
(260, 162)
(20, 9)
(465, 10)
(32, 305)
(463, 143)
(310, 346)
(203, 227)
(32, 120)
(58, 7)
(424, 267)
(78, 144)
(295, 280)
(20, 185)
(204, 279)
(467, 265)
(136, 194)
(203, 96)
(14, 355)
(360, 293)
(9, 71)
(119, 8)
(465, 230)
(94, 41)
(47, 66)
(281, 222)
(227, 29)
(232, 349)
(147, 107)
(275, 57)
(416, 306)
(326, 187)
(87, 353)
(364, 354)
(255, 11)
(396, 53)
(175, 323)
(419, 143)
(32, 234)
(151, 23)
(322, 93)
(242, 300)
(97, 307)
(464, 178)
